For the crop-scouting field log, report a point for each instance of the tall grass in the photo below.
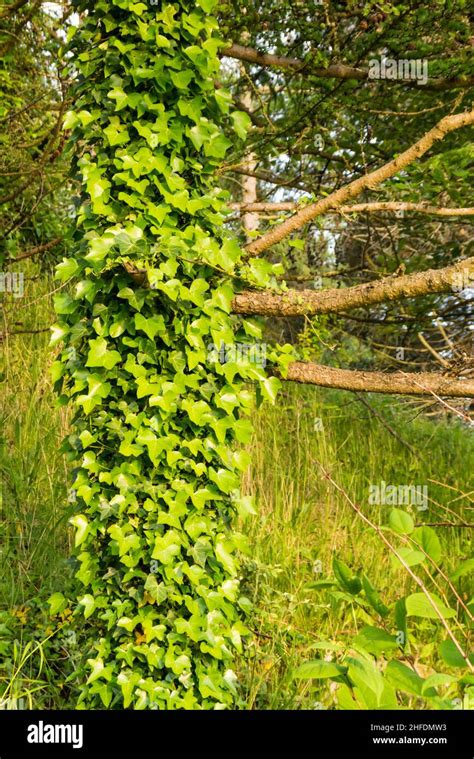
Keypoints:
(34, 543)
(303, 521)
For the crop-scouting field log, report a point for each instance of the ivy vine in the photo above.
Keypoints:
(158, 422)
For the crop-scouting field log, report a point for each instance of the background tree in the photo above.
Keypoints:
(320, 124)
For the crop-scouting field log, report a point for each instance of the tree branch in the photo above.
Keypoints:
(333, 300)
(395, 206)
(368, 181)
(400, 206)
(34, 251)
(334, 71)
(421, 383)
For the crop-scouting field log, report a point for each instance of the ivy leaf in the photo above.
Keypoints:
(196, 291)
(67, 269)
(246, 506)
(217, 146)
(88, 602)
(181, 79)
(223, 99)
(58, 333)
(241, 122)
(156, 590)
(225, 480)
(207, 5)
(99, 355)
(167, 547)
(225, 558)
(79, 521)
(151, 325)
(57, 603)
(269, 388)
(98, 390)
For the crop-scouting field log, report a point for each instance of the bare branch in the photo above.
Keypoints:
(396, 383)
(368, 181)
(400, 206)
(333, 300)
(389, 206)
(334, 71)
(34, 251)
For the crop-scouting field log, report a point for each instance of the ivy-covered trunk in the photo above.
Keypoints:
(158, 414)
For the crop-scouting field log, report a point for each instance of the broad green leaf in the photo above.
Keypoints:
(374, 640)
(368, 679)
(466, 567)
(435, 680)
(428, 540)
(401, 522)
(410, 557)
(418, 605)
(403, 678)
(318, 669)
(374, 598)
(452, 656)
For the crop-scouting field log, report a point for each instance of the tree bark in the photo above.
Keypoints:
(311, 302)
(384, 206)
(250, 219)
(423, 383)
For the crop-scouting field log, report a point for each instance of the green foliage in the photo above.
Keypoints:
(35, 655)
(33, 200)
(158, 609)
(374, 677)
(158, 421)
(315, 134)
(333, 611)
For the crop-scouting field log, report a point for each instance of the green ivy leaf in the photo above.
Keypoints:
(99, 355)
(57, 603)
(241, 122)
(79, 521)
